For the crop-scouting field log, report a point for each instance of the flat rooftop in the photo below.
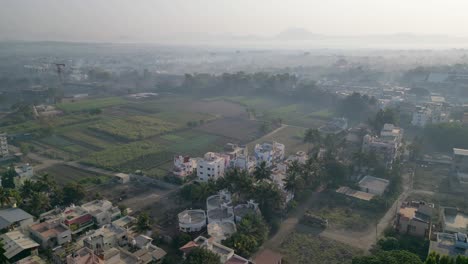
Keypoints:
(220, 213)
(374, 183)
(48, 229)
(461, 152)
(445, 245)
(192, 216)
(356, 194)
(454, 220)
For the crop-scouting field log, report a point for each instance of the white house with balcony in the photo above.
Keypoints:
(212, 166)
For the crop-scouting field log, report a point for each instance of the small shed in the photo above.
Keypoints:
(122, 177)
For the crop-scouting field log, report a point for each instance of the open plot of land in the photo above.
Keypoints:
(341, 214)
(240, 129)
(305, 249)
(431, 178)
(290, 136)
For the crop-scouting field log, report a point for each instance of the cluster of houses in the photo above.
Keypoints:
(414, 218)
(93, 233)
(213, 165)
(386, 145)
(430, 113)
(220, 220)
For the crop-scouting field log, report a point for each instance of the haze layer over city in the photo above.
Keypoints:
(222, 132)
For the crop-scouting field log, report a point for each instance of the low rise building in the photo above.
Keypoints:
(103, 211)
(192, 220)
(450, 244)
(373, 185)
(50, 234)
(454, 220)
(414, 218)
(32, 260)
(242, 210)
(125, 222)
(106, 237)
(23, 172)
(11, 218)
(212, 166)
(219, 207)
(17, 246)
(77, 219)
(269, 152)
(4, 152)
(122, 178)
(221, 230)
(227, 255)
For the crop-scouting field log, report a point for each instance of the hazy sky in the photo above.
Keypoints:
(156, 20)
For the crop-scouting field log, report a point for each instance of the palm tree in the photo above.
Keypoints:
(27, 189)
(262, 171)
(15, 194)
(312, 172)
(4, 197)
(40, 203)
(46, 183)
(293, 181)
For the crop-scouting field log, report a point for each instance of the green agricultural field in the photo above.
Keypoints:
(134, 128)
(82, 136)
(88, 104)
(304, 249)
(112, 158)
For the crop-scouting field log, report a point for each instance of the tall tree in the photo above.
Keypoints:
(73, 193)
(201, 255)
(4, 197)
(262, 171)
(143, 222)
(8, 178)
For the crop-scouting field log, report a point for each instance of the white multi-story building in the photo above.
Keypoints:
(269, 152)
(212, 166)
(184, 166)
(3, 145)
(431, 113)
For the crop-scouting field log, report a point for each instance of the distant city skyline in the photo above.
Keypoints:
(178, 21)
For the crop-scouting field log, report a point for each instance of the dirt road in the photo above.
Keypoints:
(362, 240)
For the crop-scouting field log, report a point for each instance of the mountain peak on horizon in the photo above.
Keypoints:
(296, 33)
